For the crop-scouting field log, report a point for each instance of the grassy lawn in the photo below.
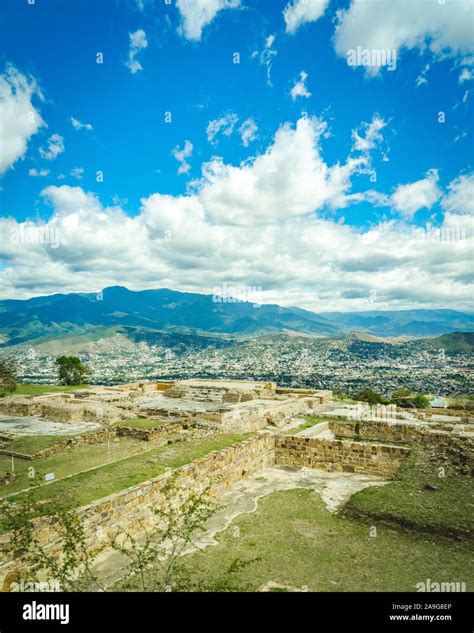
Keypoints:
(310, 421)
(142, 423)
(111, 477)
(300, 543)
(37, 390)
(69, 461)
(29, 445)
(407, 502)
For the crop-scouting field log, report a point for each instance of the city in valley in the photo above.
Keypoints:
(345, 365)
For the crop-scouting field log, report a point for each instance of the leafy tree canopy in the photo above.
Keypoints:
(370, 396)
(8, 376)
(71, 371)
(405, 398)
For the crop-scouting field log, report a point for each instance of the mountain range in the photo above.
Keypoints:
(148, 316)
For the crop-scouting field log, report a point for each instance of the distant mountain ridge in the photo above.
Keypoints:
(148, 315)
(411, 323)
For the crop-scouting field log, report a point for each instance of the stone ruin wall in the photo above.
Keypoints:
(249, 417)
(404, 433)
(131, 509)
(220, 391)
(252, 418)
(65, 410)
(258, 408)
(103, 434)
(91, 437)
(147, 435)
(339, 455)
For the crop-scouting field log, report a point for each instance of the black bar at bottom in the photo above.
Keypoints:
(236, 613)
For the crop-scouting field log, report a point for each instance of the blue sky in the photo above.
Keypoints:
(184, 65)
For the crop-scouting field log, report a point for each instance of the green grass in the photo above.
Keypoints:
(29, 445)
(142, 423)
(300, 543)
(310, 421)
(112, 477)
(306, 425)
(345, 399)
(37, 390)
(70, 461)
(406, 501)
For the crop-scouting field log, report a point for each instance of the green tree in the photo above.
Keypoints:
(402, 397)
(420, 401)
(8, 376)
(370, 396)
(71, 371)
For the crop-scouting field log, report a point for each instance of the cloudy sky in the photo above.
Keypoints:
(319, 152)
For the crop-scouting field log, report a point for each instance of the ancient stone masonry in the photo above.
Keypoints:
(87, 438)
(221, 390)
(147, 435)
(339, 455)
(232, 405)
(340, 442)
(238, 405)
(404, 432)
(324, 395)
(131, 509)
(258, 414)
(60, 408)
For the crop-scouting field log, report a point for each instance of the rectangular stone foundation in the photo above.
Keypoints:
(402, 432)
(131, 509)
(339, 455)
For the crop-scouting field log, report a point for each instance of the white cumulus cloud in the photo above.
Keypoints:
(460, 196)
(300, 88)
(255, 224)
(299, 12)
(197, 14)
(55, 146)
(138, 42)
(466, 74)
(77, 172)
(307, 261)
(368, 135)
(79, 125)
(38, 173)
(223, 125)
(182, 155)
(422, 194)
(290, 179)
(19, 118)
(248, 131)
(443, 28)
